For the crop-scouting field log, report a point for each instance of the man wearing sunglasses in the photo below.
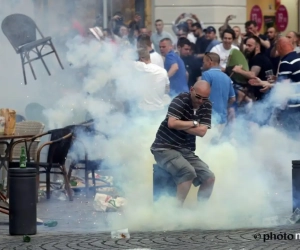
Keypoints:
(189, 115)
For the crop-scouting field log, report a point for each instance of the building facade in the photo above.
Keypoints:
(268, 8)
(210, 12)
(50, 13)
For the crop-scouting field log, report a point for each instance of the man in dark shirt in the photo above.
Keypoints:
(201, 42)
(192, 65)
(251, 29)
(288, 73)
(270, 52)
(189, 115)
(259, 64)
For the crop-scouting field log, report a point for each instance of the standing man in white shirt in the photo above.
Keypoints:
(154, 83)
(144, 41)
(223, 49)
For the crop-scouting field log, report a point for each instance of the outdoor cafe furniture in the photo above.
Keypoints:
(21, 31)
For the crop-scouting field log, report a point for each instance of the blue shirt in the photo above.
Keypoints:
(221, 91)
(178, 82)
(212, 44)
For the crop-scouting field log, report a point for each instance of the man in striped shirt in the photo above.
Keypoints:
(288, 73)
(189, 115)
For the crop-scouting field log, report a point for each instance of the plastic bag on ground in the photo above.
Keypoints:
(104, 203)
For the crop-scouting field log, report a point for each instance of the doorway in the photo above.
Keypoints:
(269, 21)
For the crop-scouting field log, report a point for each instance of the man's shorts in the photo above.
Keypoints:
(183, 165)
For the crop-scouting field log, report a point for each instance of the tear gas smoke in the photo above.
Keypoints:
(250, 168)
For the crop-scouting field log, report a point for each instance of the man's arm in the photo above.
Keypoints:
(265, 43)
(205, 122)
(172, 71)
(177, 124)
(248, 74)
(197, 131)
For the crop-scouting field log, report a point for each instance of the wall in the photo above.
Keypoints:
(268, 9)
(211, 12)
(292, 8)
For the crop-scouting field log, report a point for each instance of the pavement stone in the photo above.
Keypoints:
(80, 227)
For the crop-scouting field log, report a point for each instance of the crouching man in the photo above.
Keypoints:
(189, 115)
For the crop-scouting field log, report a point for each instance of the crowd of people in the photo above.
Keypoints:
(212, 78)
(195, 52)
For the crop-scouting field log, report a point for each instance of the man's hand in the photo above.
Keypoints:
(229, 18)
(200, 130)
(272, 79)
(237, 68)
(194, 16)
(182, 16)
(254, 34)
(116, 17)
(256, 82)
(266, 87)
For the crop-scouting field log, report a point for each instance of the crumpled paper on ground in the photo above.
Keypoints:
(105, 203)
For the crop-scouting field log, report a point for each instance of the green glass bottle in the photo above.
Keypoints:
(23, 158)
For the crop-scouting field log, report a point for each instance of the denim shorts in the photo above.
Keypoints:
(183, 165)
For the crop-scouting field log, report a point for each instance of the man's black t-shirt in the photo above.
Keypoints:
(265, 64)
(274, 60)
(201, 45)
(193, 67)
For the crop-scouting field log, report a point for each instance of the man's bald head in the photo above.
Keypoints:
(202, 86)
(200, 93)
(284, 46)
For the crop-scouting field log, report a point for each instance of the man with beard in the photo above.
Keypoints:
(192, 64)
(259, 64)
(201, 42)
(270, 52)
(252, 30)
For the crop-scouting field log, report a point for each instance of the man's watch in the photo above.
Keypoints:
(195, 123)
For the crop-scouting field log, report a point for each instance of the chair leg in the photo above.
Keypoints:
(67, 183)
(72, 165)
(86, 177)
(29, 62)
(37, 182)
(48, 182)
(94, 180)
(57, 57)
(41, 57)
(23, 68)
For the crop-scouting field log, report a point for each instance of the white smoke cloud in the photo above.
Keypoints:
(249, 170)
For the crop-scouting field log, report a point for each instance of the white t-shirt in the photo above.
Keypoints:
(156, 59)
(153, 82)
(191, 38)
(223, 53)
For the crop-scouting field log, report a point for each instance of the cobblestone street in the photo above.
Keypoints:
(80, 227)
(236, 239)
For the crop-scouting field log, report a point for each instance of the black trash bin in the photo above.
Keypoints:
(296, 184)
(163, 183)
(22, 200)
